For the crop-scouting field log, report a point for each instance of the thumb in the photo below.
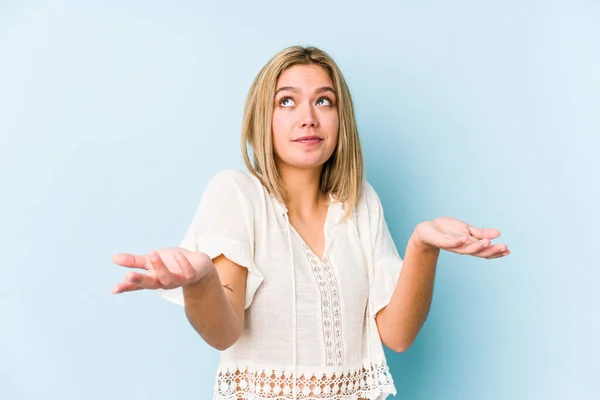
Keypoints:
(197, 259)
(484, 233)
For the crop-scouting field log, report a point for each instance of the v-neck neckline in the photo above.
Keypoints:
(327, 234)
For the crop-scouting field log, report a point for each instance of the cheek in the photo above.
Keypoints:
(276, 125)
(281, 124)
(330, 119)
(332, 125)
(334, 130)
(281, 131)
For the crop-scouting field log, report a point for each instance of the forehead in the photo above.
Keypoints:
(304, 76)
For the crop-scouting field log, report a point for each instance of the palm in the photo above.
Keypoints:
(459, 237)
(163, 269)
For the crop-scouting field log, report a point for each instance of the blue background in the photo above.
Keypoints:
(114, 114)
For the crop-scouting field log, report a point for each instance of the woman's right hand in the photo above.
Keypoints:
(165, 269)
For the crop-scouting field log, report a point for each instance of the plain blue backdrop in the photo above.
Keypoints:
(114, 114)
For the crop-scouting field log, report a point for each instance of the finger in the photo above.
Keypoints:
(125, 287)
(186, 267)
(503, 254)
(491, 250)
(484, 233)
(130, 260)
(143, 280)
(165, 277)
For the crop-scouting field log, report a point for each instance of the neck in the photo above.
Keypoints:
(303, 192)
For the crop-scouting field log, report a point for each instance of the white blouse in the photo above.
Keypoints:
(310, 330)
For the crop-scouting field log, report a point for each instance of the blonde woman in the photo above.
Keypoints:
(289, 269)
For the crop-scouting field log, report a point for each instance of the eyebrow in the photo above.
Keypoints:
(296, 90)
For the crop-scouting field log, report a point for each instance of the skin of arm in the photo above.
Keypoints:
(401, 320)
(214, 305)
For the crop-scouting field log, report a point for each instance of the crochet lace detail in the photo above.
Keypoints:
(247, 384)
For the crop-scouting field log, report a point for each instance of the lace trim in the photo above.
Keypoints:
(249, 384)
(330, 308)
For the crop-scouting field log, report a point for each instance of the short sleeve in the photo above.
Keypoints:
(224, 224)
(387, 263)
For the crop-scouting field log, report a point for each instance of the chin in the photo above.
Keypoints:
(304, 160)
(305, 164)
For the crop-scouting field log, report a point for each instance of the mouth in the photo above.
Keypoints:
(308, 139)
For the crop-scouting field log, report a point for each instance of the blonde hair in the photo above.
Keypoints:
(342, 175)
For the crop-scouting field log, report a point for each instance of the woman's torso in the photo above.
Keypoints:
(308, 317)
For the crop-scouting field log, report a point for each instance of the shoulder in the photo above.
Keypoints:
(231, 177)
(367, 190)
(368, 207)
(369, 196)
(236, 189)
(234, 180)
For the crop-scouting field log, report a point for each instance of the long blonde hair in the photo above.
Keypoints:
(342, 175)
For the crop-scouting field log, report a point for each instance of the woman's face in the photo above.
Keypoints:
(305, 117)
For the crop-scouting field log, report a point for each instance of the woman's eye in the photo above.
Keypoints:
(324, 101)
(286, 102)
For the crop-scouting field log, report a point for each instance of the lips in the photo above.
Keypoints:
(308, 139)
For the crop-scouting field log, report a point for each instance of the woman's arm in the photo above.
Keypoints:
(214, 306)
(401, 319)
(214, 290)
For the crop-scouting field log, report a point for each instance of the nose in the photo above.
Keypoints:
(309, 118)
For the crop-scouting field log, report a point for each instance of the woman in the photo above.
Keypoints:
(290, 269)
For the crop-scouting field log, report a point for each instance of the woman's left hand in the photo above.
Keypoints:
(459, 237)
